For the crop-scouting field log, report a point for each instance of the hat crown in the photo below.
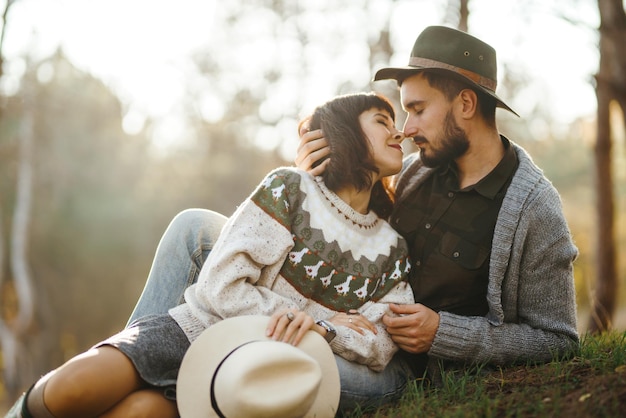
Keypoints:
(266, 379)
(457, 49)
(236, 362)
(455, 53)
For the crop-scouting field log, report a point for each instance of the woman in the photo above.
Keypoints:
(300, 249)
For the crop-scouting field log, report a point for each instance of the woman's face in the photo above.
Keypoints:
(380, 130)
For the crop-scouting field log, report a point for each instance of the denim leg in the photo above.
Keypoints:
(16, 409)
(183, 249)
(363, 388)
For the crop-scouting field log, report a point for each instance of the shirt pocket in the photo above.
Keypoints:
(466, 254)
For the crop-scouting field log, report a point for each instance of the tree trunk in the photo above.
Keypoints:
(463, 15)
(610, 86)
(13, 329)
(21, 220)
(603, 296)
(15, 332)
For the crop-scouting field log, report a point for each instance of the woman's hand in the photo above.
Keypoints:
(290, 326)
(313, 147)
(353, 320)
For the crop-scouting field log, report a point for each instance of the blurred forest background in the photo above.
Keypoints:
(88, 182)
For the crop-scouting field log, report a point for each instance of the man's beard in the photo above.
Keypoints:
(453, 144)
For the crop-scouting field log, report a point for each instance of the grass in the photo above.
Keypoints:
(590, 384)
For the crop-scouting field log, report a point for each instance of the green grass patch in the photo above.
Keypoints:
(590, 384)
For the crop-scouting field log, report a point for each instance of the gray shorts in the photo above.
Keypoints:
(156, 346)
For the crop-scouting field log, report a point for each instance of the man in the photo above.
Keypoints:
(492, 254)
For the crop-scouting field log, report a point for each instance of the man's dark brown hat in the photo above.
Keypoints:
(442, 49)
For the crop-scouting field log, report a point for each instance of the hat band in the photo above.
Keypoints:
(216, 408)
(476, 78)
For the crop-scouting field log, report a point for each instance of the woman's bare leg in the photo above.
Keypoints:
(90, 384)
(148, 403)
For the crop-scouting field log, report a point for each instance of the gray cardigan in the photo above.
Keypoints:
(531, 296)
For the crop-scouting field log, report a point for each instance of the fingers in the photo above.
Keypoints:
(406, 344)
(355, 321)
(402, 317)
(415, 330)
(305, 126)
(360, 324)
(271, 325)
(404, 309)
(313, 147)
(311, 139)
(318, 170)
(412, 344)
(289, 326)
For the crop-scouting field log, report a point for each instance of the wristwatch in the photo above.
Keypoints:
(330, 330)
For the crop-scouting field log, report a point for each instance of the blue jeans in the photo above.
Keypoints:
(185, 246)
(183, 249)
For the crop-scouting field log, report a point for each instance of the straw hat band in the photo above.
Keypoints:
(476, 78)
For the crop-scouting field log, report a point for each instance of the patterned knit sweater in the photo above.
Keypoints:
(295, 244)
(531, 295)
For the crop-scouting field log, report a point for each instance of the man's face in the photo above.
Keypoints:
(431, 122)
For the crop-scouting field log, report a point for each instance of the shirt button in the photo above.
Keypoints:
(456, 254)
(427, 226)
(450, 194)
(418, 263)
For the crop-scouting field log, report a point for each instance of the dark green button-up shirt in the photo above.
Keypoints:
(449, 232)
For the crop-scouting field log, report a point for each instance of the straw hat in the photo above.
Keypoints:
(233, 370)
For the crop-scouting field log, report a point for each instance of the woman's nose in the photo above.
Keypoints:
(398, 136)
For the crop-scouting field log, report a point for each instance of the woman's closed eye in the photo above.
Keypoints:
(386, 123)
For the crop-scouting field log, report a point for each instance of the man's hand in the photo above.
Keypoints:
(414, 330)
(312, 148)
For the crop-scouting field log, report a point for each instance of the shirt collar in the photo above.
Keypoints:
(491, 184)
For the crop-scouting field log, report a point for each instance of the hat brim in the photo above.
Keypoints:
(208, 350)
(401, 73)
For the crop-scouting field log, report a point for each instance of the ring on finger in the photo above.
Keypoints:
(290, 316)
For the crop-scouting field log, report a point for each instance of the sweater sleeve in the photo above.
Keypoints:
(238, 276)
(532, 306)
(373, 350)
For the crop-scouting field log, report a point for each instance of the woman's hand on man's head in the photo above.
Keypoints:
(313, 147)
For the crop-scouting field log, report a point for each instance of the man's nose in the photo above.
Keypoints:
(409, 128)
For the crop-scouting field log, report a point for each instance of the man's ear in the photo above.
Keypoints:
(468, 100)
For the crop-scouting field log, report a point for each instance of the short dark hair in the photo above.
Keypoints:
(351, 161)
